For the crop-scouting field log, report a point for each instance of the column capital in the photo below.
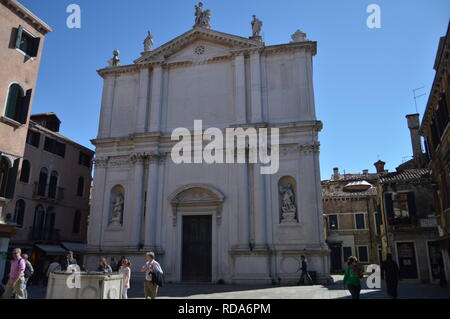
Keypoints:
(309, 147)
(101, 162)
(138, 157)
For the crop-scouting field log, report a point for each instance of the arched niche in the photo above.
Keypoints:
(288, 208)
(197, 196)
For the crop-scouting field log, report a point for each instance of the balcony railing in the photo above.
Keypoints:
(45, 192)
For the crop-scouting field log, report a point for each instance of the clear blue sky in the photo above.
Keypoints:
(363, 77)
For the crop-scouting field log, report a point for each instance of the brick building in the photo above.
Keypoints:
(436, 130)
(51, 203)
(351, 218)
(21, 41)
(405, 198)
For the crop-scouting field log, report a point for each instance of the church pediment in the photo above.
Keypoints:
(198, 44)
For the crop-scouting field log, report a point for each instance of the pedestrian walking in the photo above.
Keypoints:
(391, 273)
(352, 277)
(16, 279)
(104, 267)
(305, 274)
(125, 270)
(153, 276)
(69, 260)
(28, 273)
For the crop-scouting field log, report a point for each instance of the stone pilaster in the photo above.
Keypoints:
(255, 80)
(259, 209)
(104, 129)
(156, 99)
(142, 107)
(96, 225)
(152, 200)
(240, 99)
(138, 161)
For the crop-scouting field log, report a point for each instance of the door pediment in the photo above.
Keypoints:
(196, 196)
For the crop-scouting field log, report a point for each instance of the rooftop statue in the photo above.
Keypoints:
(202, 17)
(148, 42)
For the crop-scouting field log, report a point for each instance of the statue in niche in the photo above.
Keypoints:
(202, 18)
(148, 42)
(117, 209)
(288, 208)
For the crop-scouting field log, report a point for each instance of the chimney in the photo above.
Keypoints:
(336, 173)
(366, 172)
(414, 125)
(380, 166)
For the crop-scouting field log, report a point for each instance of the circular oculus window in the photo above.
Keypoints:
(200, 50)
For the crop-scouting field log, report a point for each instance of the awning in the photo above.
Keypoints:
(52, 250)
(75, 247)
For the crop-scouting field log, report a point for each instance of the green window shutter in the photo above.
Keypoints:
(13, 99)
(12, 178)
(33, 52)
(25, 106)
(19, 36)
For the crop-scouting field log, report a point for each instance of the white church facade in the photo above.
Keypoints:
(221, 222)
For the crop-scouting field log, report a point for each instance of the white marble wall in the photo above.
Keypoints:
(256, 86)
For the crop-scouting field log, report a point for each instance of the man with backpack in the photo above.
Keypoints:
(28, 273)
(16, 279)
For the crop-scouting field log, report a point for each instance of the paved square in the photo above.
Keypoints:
(335, 291)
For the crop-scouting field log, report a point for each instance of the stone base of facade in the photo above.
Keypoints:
(261, 266)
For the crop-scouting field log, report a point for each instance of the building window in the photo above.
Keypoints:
(400, 207)
(359, 221)
(42, 185)
(80, 186)
(8, 177)
(49, 225)
(38, 223)
(25, 173)
(33, 138)
(363, 254)
(347, 252)
(76, 222)
(4, 168)
(19, 213)
(377, 222)
(52, 186)
(53, 146)
(333, 222)
(18, 103)
(84, 159)
(26, 43)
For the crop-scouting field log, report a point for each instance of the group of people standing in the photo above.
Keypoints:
(153, 274)
(21, 270)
